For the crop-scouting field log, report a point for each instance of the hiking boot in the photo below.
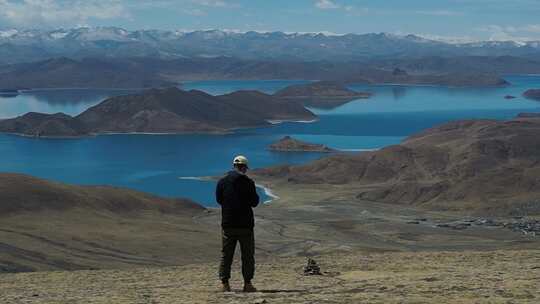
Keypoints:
(225, 287)
(248, 287)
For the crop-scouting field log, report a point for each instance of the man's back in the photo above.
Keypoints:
(237, 195)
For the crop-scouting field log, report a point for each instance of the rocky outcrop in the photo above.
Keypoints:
(475, 166)
(532, 94)
(289, 144)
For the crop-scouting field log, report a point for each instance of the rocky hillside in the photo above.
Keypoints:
(163, 111)
(289, 144)
(475, 166)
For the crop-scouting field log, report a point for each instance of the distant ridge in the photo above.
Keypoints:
(147, 72)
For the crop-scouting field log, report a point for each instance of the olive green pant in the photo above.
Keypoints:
(246, 238)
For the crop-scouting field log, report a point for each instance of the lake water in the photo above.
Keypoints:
(160, 164)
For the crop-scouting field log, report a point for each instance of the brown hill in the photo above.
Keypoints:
(22, 193)
(49, 226)
(476, 166)
(532, 94)
(163, 111)
(289, 144)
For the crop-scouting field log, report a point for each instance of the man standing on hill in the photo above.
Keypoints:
(237, 195)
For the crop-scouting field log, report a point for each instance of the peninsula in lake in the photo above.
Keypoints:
(532, 94)
(168, 110)
(321, 94)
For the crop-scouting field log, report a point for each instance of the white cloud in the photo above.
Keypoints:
(327, 4)
(446, 13)
(212, 3)
(58, 12)
(194, 12)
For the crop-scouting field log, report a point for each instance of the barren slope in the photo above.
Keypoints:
(488, 167)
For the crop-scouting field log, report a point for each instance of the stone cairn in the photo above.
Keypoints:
(312, 268)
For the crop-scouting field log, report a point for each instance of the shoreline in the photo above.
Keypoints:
(277, 122)
(267, 191)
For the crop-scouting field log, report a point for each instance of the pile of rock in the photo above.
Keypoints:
(312, 268)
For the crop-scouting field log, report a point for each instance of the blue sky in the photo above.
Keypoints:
(469, 19)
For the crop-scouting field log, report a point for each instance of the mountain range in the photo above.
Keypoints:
(32, 45)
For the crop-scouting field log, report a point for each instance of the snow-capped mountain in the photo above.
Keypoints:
(29, 45)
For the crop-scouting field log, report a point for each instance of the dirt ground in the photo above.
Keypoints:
(427, 277)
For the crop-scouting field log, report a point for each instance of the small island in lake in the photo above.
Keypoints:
(510, 97)
(532, 94)
(322, 94)
(289, 144)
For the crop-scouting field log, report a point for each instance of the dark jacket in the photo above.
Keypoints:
(237, 195)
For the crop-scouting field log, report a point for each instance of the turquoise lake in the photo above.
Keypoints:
(165, 164)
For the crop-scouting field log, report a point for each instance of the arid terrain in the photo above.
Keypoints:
(426, 277)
